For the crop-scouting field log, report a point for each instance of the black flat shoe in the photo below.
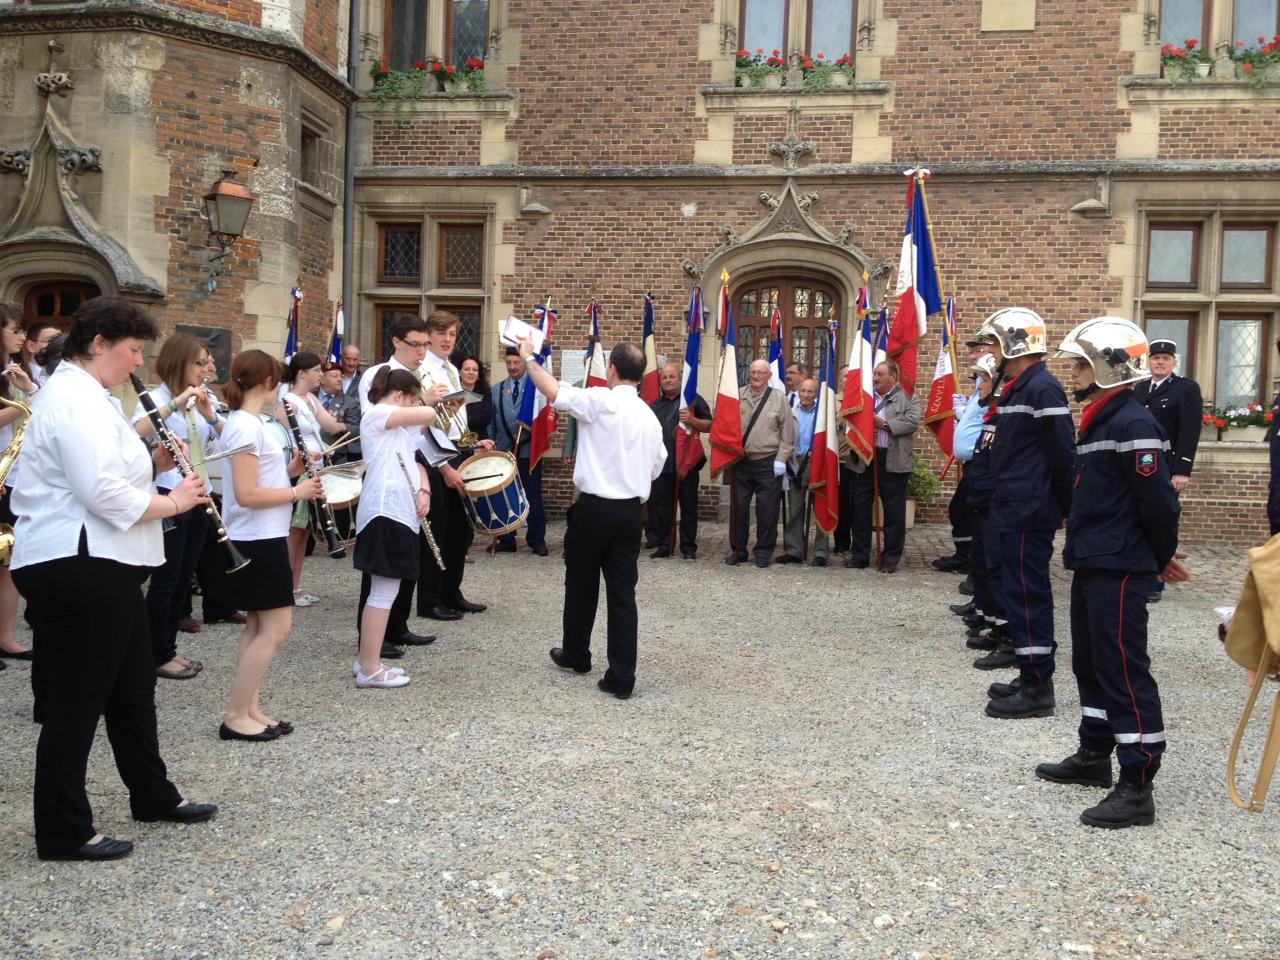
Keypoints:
(560, 660)
(466, 606)
(104, 849)
(411, 639)
(282, 728)
(20, 655)
(187, 813)
(226, 733)
(608, 686)
(441, 613)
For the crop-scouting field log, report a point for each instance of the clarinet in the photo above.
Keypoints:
(235, 559)
(422, 521)
(322, 513)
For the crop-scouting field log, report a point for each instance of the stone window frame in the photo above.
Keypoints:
(1218, 26)
(797, 22)
(438, 39)
(1210, 300)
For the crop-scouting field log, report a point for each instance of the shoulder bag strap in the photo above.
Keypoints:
(1270, 750)
(754, 417)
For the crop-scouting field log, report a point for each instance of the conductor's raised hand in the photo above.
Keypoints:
(189, 493)
(524, 347)
(308, 489)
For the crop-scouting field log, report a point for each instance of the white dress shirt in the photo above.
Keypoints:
(385, 492)
(430, 451)
(84, 467)
(255, 523)
(366, 380)
(177, 424)
(620, 449)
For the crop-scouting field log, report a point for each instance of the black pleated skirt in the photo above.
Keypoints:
(387, 548)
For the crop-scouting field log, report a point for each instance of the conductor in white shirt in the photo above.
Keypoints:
(88, 535)
(620, 454)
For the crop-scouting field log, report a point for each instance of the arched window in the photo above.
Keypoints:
(826, 27)
(804, 306)
(56, 302)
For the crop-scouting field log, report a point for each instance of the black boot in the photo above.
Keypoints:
(999, 658)
(963, 609)
(1001, 632)
(952, 564)
(1128, 805)
(1029, 700)
(998, 690)
(1089, 768)
(966, 586)
(978, 641)
(976, 620)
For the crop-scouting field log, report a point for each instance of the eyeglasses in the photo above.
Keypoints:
(417, 344)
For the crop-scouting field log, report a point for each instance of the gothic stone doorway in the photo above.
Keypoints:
(805, 307)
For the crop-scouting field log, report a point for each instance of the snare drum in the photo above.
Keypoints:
(342, 492)
(495, 500)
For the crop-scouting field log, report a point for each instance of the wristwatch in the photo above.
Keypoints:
(530, 359)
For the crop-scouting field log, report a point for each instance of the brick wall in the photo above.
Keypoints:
(1246, 132)
(400, 142)
(236, 11)
(320, 30)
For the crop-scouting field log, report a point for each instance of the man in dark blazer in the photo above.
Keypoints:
(352, 372)
(1175, 403)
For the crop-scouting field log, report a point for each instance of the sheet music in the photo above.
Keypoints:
(513, 330)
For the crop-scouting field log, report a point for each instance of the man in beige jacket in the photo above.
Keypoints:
(768, 441)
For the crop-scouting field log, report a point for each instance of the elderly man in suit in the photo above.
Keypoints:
(504, 429)
(897, 417)
(351, 376)
(1175, 403)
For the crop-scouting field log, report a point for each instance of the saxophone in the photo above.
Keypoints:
(7, 459)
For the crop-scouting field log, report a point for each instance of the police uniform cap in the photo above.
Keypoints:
(1163, 346)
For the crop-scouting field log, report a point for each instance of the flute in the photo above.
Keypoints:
(323, 513)
(235, 559)
(422, 521)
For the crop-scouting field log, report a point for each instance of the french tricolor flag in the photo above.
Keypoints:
(649, 383)
(777, 369)
(597, 375)
(917, 291)
(535, 413)
(939, 414)
(858, 406)
(824, 465)
(688, 441)
(726, 419)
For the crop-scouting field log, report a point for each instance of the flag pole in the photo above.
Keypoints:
(877, 519)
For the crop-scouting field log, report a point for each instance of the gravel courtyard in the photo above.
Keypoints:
(805, 771)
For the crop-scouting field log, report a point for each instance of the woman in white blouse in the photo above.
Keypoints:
(15, 384)
(303, 374)
(88, 534)
(387, 528)
(190, 415)
(257, 504)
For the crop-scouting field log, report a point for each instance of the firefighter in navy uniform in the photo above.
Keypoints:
(1031, 459)
(1175, 403)
(1122, 533)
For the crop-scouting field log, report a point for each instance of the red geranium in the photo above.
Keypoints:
(1191, 44)
(1247, 68)
(419, 64)
(1268, 416)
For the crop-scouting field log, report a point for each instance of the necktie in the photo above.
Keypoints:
(195, 444)
(515, 391)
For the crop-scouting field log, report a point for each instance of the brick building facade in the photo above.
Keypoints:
(623, 153)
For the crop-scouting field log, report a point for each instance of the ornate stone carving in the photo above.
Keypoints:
(495, 45)
(51, 83)
(845, 237)
(730, 238)
(792, 148)
(691, 270)
(769, 200)
(77, 160)
(15, 161)
(728, 38)
(787, 225)
(805, 200)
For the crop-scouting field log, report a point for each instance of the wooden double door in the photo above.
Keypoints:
(805, 308)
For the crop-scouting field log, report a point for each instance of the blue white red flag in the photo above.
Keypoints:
(649, 383)
(726, 418)
(939, 413)
(688, 441)
(777, 369)
(824, 463)
(335, 339)
(597, 374)
(917, 292)
(535, 413)
(291, 335)
(858, 406)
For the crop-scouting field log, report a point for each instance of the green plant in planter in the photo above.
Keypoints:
(755, 67)
(397, 85)
(816, 72)
(922, 485)
(1257, 64)
(472, 75)
(1181, 62)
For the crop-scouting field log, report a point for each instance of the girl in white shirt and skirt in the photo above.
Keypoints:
(388, 532)
(257, 505)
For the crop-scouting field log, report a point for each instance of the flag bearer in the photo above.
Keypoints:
(1031, 459)
(1121, 537)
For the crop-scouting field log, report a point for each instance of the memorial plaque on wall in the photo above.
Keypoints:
(218, 340)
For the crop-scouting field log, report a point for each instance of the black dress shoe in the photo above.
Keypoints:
(819, 561)
(391, 651)
(687, 555)
(226, 733)
(963, 609)
(282, 727)
(539, 550)
(1153, 597)
(857, 564)
(660, 553)
(889, 568)
(951, 564)
(1002, 656)
(1029, 700)
(187, 813)
(411, 639)
(439, 612)
(466, 606)
(733, 560)
(762, 562)
(788, 558)
(608, 686)
(981, 641)
(104, 849)
(559, 658)
(966, 587)
(504, 547)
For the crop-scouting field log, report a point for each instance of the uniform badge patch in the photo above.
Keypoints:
(1146, 463)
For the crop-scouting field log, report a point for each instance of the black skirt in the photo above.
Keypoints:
(387, 548)
(6, 509)
(267, 582)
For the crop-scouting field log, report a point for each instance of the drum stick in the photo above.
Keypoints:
(339, 443)
(246, 448)
(487, 476)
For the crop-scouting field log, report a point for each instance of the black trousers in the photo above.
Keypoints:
(1119, 700)
(893, 495)
(603, 538)
(662, 507)
(841, 539)
(104, 667)
(398, 622)
(754, 478)
(984, 569)
(453, 533)
(169, 593)
(961, 516)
